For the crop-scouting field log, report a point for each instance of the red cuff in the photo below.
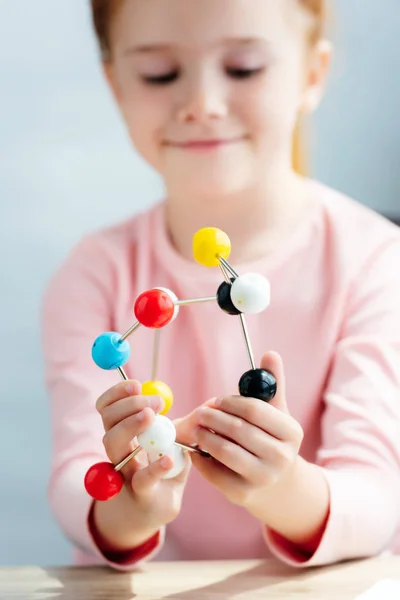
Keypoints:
(287, 547)
(124, 557)
(291, 552)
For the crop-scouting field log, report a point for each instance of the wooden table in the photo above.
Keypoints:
(239, 580)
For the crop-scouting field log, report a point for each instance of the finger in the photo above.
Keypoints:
(273, 455)
(228, 453)
(118, 441)
(248, 436)
(187, 463)
(185, 427)
(144, 480)
(183, 475)
(117, 392)
(263, 415)
(272, 362)
(124, 408)
(217, 474)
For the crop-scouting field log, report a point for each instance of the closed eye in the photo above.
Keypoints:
(172, 76)
(244, 73)
(163, 79)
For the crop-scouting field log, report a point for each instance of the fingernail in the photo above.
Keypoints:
(140, 416)
(217, 401)
(157, 403)
(129, 388)
(164, 462)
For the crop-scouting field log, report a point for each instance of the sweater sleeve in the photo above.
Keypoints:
(77, 307)
(360, 449)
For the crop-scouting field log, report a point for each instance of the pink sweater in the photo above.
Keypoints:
(334, 318)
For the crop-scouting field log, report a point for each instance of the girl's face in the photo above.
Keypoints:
(211, 90)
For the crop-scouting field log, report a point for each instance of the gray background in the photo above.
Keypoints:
(67, 167)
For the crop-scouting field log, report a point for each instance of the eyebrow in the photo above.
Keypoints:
(148, 48)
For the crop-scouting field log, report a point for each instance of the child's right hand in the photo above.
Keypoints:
(125, 414)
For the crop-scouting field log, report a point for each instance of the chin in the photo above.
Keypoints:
(211, 175)
(215, 186)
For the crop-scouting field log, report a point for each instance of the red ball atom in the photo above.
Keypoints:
(102, 482)
(154, 308)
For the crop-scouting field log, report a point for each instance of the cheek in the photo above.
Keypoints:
(145, 115)
(271, 106)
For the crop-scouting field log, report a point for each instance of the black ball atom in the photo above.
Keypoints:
(224, 299)
(258, 383)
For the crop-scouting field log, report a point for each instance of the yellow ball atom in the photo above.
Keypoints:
(208, 243)
(159, 388)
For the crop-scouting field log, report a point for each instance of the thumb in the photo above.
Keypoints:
(185, 427)
(272, 362)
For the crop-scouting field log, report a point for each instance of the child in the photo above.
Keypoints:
(211, 92)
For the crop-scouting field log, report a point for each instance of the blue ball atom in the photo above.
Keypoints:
(108, 352)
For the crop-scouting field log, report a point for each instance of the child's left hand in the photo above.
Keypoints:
(255, 443)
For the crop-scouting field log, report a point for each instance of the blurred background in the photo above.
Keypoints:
(67, 167)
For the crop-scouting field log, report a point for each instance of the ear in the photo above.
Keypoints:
(317, 72)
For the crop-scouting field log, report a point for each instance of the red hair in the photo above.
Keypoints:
(318, 8)
(103, 11)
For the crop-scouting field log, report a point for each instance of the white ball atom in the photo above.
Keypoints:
(251, 293)
(159, 437)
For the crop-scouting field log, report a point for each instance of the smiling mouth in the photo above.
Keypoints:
(199, 145)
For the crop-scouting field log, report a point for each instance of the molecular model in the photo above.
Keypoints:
(156, 308)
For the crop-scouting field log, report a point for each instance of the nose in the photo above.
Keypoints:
(203, 100)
